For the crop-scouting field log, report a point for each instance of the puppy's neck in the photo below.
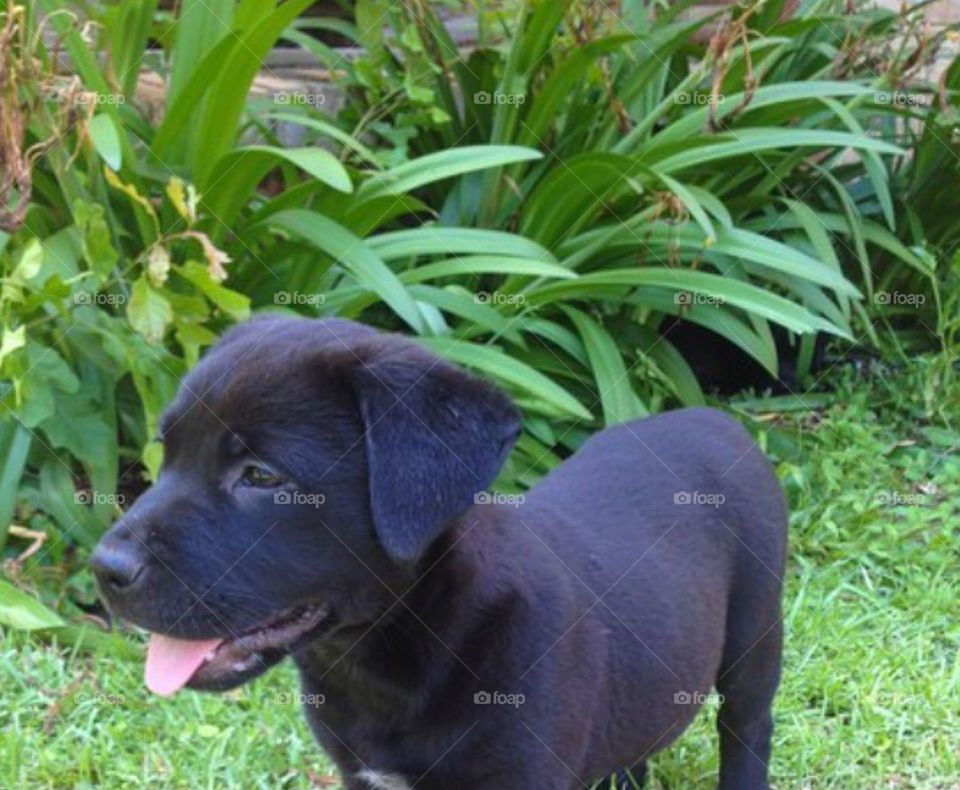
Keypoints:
(422, 638)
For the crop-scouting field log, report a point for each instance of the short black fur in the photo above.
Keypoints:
(543, 643)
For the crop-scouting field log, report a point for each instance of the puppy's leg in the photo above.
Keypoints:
(748, 680)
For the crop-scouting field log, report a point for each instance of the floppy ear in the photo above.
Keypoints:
(435, 436)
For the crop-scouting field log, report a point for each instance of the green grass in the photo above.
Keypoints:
(71, 721)
(872, 675)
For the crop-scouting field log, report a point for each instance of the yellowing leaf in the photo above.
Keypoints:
(12, 340)
(184, 198)
(131, 191)
(216, 258)
(158, 264)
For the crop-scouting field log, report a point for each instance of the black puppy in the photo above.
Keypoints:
(321, 498)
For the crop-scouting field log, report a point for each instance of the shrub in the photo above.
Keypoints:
(536, 211)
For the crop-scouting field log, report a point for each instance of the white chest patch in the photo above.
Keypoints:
(380, 781)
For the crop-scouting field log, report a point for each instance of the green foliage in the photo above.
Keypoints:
(535, 210)
(19, 610)
(749, 158)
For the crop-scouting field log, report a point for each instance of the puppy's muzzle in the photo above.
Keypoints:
(118, 563)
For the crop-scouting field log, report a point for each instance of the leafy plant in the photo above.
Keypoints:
(735, 183)
(537, 210)
(100, 261)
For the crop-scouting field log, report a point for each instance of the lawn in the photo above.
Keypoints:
(872, 674)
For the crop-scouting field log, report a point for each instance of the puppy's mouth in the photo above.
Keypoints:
(223, 663)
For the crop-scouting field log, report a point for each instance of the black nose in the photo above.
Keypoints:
(116, 567)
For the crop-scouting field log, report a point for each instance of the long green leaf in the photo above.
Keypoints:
(753, 247)
(365, 266)
(227, 98)
(202, 25)
(496, 363)
(620, 403)
(478, 312)
(174, 135)
(441, 165)
(439, 240)
(557, 334)
(873, 233)
(748, 297)
(587, 182)
(550, 99)
(234, 180)
(872, 163)
(14, 446)
(684, 241)
(128, 39)
(485, 264)
(787, 93)
(672, 364)
(751, 141)
(328, 129)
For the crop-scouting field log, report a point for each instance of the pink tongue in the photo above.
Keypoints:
(171, 662)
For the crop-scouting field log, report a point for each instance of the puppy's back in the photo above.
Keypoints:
(667, 467)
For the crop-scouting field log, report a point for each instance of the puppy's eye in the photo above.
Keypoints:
(259, 477)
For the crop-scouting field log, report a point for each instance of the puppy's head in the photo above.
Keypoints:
(308, 466)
